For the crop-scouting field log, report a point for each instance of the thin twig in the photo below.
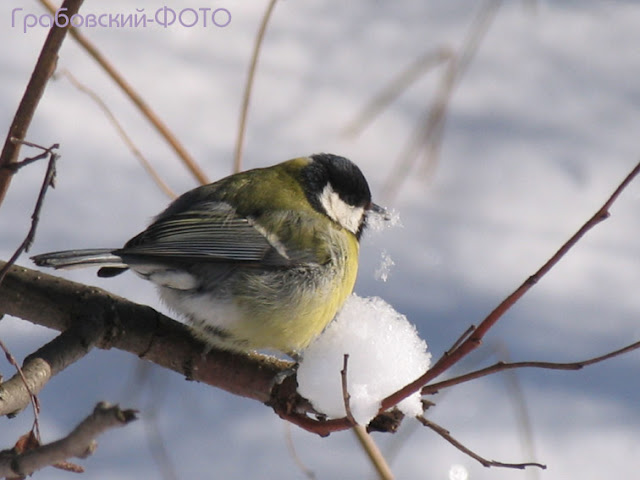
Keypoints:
(35, 403)
(35, 88)
(47, 182)
(502, 366)
(49, 360)
(15, 166)
(143, 107)
(79, 443)
(166, 189)
(475, 339)
(345, 390)
(365, 440)
(246, 98)
(373, 452)
(461, 339)
(444, 433)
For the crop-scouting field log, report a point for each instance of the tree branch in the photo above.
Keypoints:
(33, 93)
(79, 443)
(366, 442)
(473, 341)
(28, 392)
(48, 181)
(58, 304)
(246, 97)
(122, 133)
(444, 433)
(502, 366)
(67, 348)
(61, 304)
(142, 106)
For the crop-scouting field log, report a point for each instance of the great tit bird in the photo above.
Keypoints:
(260, 260)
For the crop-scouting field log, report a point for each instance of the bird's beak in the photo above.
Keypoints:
(381, 211)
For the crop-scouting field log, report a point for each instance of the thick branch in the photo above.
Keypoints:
(35, 88)
(61, 304)
(79, 443)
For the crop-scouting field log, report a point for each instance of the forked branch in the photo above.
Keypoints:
(475, 337)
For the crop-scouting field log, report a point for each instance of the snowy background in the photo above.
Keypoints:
(541, 129)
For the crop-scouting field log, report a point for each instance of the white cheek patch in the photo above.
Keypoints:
(339, 211)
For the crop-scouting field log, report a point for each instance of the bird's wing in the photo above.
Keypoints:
(210, 232)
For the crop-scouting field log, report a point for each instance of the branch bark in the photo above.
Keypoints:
(79, 443)
(62, 305)
(38, 368)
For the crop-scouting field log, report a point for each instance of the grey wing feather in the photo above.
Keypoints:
(210, 232)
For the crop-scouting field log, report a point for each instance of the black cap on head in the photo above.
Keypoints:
(345, 178)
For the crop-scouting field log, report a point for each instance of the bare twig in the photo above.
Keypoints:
(461, 339)
(487, 463)
(20, 379)
(24, 383)
(79, 443)
(366, 442)
(15, 166)
(373, 452)
(49, 178)
(35, 88)
(122, 133)
(246, 98)
(345, 389)
(475, 339)
(502, 366)
(144, 108)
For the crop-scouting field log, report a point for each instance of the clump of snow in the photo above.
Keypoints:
(385, 354)
(380, 220)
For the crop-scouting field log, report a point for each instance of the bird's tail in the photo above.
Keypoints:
(80, 258)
